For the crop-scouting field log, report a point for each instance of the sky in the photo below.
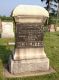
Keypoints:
(6, 6)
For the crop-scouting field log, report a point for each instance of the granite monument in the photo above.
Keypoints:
(29, 54)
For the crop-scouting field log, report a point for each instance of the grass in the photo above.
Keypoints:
(1, 70)
(51, 41)
(6, 41)
(52, 49)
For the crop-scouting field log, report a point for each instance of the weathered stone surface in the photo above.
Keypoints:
(30, 10)
(29, 52)
(29, 65)
(31, 20)
(29, 35)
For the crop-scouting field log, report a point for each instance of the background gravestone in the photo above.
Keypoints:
(52, 28)
(57, 28)
(7, 30)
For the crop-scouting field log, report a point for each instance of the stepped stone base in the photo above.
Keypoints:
(28, 65)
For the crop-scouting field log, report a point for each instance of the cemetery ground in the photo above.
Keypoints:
(51, 41)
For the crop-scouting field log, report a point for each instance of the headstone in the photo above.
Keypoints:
(52, 28)
(57, 28)
(7, 30)
(29, 52)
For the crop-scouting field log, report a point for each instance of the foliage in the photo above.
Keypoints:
(53, 20)
(4, 18)
(50, 6)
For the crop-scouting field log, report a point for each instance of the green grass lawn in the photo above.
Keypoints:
(51, 45)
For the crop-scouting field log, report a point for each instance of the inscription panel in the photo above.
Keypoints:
(29, 35)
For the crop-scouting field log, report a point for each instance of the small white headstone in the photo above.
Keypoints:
(52, 28)
(57, 28)
(7, 30)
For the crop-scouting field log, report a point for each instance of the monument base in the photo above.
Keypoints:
(28, 65)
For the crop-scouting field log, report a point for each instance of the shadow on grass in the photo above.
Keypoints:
(5, 53)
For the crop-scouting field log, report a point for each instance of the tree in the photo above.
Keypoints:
(47, 3)
(50, 6)
(57, 2)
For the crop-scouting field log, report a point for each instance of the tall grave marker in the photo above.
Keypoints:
(29, 52)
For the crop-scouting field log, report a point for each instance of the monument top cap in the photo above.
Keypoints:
(30, 10)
